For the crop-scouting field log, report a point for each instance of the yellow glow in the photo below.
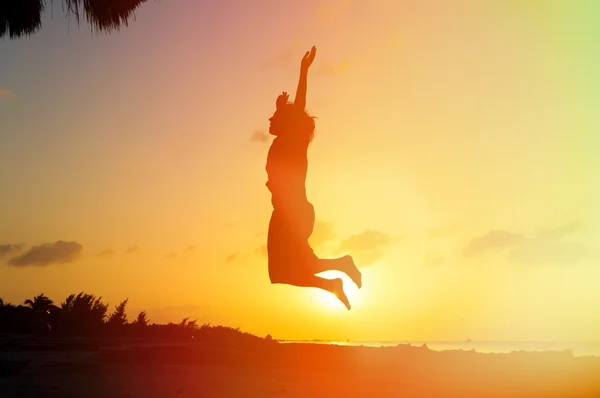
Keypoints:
(433, 130)
(330, 302)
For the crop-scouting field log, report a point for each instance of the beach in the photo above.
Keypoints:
(52, 367)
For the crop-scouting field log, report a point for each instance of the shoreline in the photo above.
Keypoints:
(134, 367)
(579, 348)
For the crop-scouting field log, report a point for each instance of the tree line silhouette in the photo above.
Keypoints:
(84, 314)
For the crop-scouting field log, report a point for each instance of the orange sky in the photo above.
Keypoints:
(455, 157)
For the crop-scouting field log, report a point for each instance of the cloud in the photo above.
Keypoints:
(259, 136)
(436, 233)
(327, 68)
(366, 247)
(323, 233)
(186, 252)
(50, 253)
(557, 233)
(433, 260)
(261, 250)
(5, 93)
(548, 246)
(495, 240)
(106, 253)
(281, 60)
(131, 249)
(553, 252)
(329, 9)
(6, 248)
(231, 258)
(367, 240)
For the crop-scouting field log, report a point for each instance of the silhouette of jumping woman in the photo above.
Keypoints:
(291, 259)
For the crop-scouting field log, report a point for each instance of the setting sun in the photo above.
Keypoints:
(329, 302)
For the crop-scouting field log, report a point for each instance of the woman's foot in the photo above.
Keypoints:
(353, 272)
(338, 291)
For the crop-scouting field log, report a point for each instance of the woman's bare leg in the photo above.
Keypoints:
(343, 264)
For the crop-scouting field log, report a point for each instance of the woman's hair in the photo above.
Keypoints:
(297, 122)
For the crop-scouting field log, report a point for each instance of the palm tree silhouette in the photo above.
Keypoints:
(40, 303)
(41, 307)
(24, 17)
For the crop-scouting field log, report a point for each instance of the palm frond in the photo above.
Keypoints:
(20, 17)
(24, 17)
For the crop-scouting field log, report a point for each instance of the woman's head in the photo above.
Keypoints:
(287, 120)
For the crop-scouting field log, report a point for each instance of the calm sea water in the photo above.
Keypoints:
(578, 348)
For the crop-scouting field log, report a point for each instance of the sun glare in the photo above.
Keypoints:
(328, 301)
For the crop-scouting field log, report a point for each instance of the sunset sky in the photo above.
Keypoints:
(456, 157)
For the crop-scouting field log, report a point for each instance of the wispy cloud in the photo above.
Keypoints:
(261, 250)
(5, 93)
(329, 9)
(187, 252)
(322, 235)
(548, 246)
(280, 60)
(50, 253)
(433, 260)
(259, 136)
(231, 258)
(552, 246)
(106, 253)
(131, 249)
(559, 232)
(327, 68)
(442, 232)
(366, 247)
(494, 240)
(8, 248)
(367, 240)
(553, 252)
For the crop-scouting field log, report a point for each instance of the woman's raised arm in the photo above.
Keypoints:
(307, 60)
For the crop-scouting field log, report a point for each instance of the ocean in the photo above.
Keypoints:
(578, 348)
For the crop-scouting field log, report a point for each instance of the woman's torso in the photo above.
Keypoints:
(287, 165)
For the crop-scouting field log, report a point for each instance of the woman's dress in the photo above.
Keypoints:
(293, 217)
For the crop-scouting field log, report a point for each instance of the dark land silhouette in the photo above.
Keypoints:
(80, 349)
(86, 315)
(291, 259)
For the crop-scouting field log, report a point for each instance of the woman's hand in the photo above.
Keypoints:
(308, 58)
(282, 100)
